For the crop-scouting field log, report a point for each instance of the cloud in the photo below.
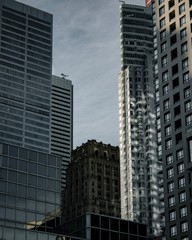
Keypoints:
(87, 47)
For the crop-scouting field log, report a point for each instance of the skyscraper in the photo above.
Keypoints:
(173, 70)
(62, 121)
(139, 165)
(25, 75)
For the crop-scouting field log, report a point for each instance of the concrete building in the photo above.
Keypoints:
(173, 70)
(92, 181)
(62, 121)
(139, 165)
(25, 75)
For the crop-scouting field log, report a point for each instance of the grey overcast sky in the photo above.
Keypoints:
(86, 46)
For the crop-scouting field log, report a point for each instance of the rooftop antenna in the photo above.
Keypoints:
(64, 75)
(122, 1)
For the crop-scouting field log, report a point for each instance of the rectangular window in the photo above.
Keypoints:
(168, 144)
(164, 61)
(161, 11)
(190, 149)
(187, 92)
(181, 182)
(166, 104)
(171, 201)
(165, 76)
(167, 117)
(172, 216)
(184, 227)
(183, 211)
(188, 106)
(162, 22)
(165, 89)
(169, 159)
(188, 119)
(179, 154)
(182, 8)
(163, 35)
(182, 197)
(185, 63)
(180, 168)
(186, 77)
(168, 130)
(182, 21)
(170, 187)
(163, 46)
(183, 33)
(184, 48)
(170, 173)
(173, 231)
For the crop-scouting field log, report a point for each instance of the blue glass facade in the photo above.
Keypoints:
(25, 75)
(30, 190)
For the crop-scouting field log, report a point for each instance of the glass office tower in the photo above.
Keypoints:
(25, 75)
(30, 190)
(139, 165)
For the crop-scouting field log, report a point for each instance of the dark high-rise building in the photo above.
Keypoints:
(25, 75)
(139, 164)
(173, 75)
(92, 181)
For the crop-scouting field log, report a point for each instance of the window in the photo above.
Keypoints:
(164, 61)
(166, 104)
(161, 11)
(171, 201)
(184, 227)
(163, 35)
(188, 106)
(181, 182)
(168, 144)
(190, 149)
(168, 130)
(185, 63)
(165, 89)
(182, 8)
(179, 154)
(183, 211)
(183, 33)
(165, 76)
(161, 1)
(170, 173)
(182, 197)
(188, 119)
(185, 238)
(167, 117)
(158, 123)
(162, 22)
(171, 187)
(172, 216)
(171, 3)
(182, 21)
(180, 168)
(186, 77)
(173, 231)
(163, 46)
(159, 150)
(169, 159)
(184, 48)
(187, 92)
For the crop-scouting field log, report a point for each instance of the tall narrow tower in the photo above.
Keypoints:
(173, 74)
(139, 164)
